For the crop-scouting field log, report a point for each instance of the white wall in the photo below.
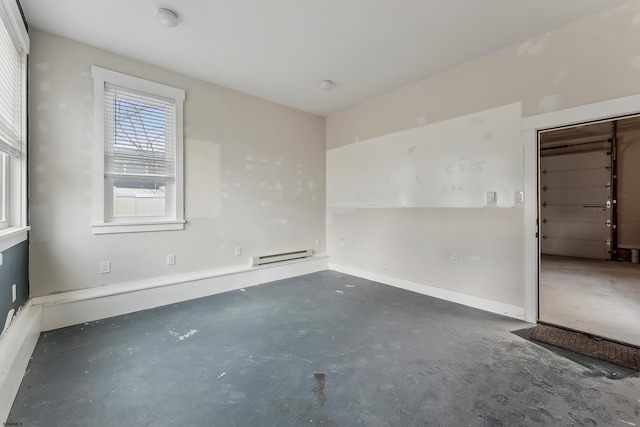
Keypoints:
(594, 59)
(254, 176)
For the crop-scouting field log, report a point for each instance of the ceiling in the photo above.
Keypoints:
(281, 50)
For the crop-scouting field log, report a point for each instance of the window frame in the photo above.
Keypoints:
(102, 222)
(5, 183)
(14, 228)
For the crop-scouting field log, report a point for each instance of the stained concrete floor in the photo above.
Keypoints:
(595, 296)
(322, 349)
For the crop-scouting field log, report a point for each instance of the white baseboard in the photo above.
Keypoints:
(16, 347)
(497, 307)
(75, 307)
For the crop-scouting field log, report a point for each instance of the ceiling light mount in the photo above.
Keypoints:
(327, 85)
(167, 17)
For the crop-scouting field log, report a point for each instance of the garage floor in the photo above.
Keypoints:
(595, 296)
(323, 349)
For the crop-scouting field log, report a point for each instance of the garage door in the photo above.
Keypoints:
(576, 206)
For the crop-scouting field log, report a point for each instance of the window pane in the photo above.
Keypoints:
(136, 197)
(139, 146)
(139, 153)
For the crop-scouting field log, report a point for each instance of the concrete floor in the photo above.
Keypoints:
(323, 349)
(595, 296)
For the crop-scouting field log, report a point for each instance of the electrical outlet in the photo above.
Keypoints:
(519, 196)
(317, 242)
(171, 259)
(13, 293)
(455, 259)
(238, 251)
(491, 197)
(105, 267)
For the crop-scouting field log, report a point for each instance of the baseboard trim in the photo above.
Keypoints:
(497, 307)
(75, 307)
(16, 348)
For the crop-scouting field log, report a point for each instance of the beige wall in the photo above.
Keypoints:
(591, 60)
(629, 189)
(254, 176)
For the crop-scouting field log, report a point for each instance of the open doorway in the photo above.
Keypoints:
(589, 213)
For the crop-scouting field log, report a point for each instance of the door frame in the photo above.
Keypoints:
(610, 109)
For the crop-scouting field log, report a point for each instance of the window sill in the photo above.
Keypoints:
(135, 227)
(11, 236)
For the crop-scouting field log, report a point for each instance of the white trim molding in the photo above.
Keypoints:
(17, 25)
(85, 305)
(16, 173)
(9, 237)
(605, 110)
(16, 348)
(137, 227)
(497, 307)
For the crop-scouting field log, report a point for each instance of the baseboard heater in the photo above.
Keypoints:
(285, 256)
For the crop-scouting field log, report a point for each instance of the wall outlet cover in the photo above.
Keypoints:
(105, 267)
(491, 197)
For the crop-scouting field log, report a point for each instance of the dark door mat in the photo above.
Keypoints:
(611, 352)
(594, 367)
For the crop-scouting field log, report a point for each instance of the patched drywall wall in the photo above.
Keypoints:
(590, 60)
(453, 163)
(254, 176)
(478, 251)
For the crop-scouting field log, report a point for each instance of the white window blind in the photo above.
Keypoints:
(11, 90)
(139, 138)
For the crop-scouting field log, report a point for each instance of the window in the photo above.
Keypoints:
(14, 48)
(138, 164)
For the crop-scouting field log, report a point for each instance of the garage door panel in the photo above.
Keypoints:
(575, 248)
(586, 196)
(593, 160)
(578, 178)
(574, 213)
(576, 230)
(578, 213)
